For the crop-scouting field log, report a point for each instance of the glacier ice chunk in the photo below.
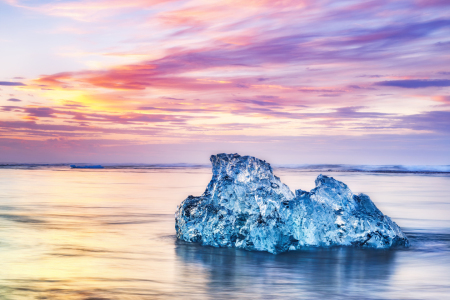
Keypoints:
(246, 206)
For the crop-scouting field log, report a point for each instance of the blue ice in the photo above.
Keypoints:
(246, 206)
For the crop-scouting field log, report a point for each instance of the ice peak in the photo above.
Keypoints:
(323, 180)
(231, 164)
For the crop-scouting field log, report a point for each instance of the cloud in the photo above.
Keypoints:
(329, 95)
(370, 76)
(35, 113)
(443, 99)
(174, 71)
(36, 129)
(320, 90)
(432, 3)
(184, 109)
(442, 44)
(88, 11)
(9, 83)
(334, 117)
(171, 98)
(435, 121)
(190, 68)
(270, 103)
(14, 100)
(354, 112)
(415, 83)
(393, 34)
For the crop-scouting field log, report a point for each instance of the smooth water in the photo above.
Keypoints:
(109, 234)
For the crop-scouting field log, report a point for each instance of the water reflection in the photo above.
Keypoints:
(110, 236)
(311, 273)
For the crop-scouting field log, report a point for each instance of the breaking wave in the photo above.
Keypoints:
(297, 167)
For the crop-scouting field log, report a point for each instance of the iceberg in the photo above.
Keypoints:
(87, 167)
(246, 206)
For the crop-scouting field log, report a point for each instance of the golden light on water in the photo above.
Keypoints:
(109, 234)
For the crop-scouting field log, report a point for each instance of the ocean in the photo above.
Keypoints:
(109, 234)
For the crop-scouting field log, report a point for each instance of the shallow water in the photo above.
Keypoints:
(109, 234)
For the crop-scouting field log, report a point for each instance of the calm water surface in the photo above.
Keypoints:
(109, 234)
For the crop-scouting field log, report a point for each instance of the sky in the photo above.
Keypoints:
(162, 81)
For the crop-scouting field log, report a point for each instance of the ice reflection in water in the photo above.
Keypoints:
(110, 235)
(310, 273)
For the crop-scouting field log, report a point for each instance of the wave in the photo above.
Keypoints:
(429, 169)
(105, 166)
(369, 168)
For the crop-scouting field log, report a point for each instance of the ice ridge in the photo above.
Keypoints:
(246, 206)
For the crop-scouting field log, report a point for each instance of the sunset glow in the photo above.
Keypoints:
(162, 81)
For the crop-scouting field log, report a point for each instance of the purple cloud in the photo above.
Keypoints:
(258, 102)
(371, 76)
(14, 100)
(34, 113)
(393, 34)
(65, 130)
(415, 83)
(306, 90)
(329, 95)
(40, 112)
(436, 121)
(431, 3)
(9, 83)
